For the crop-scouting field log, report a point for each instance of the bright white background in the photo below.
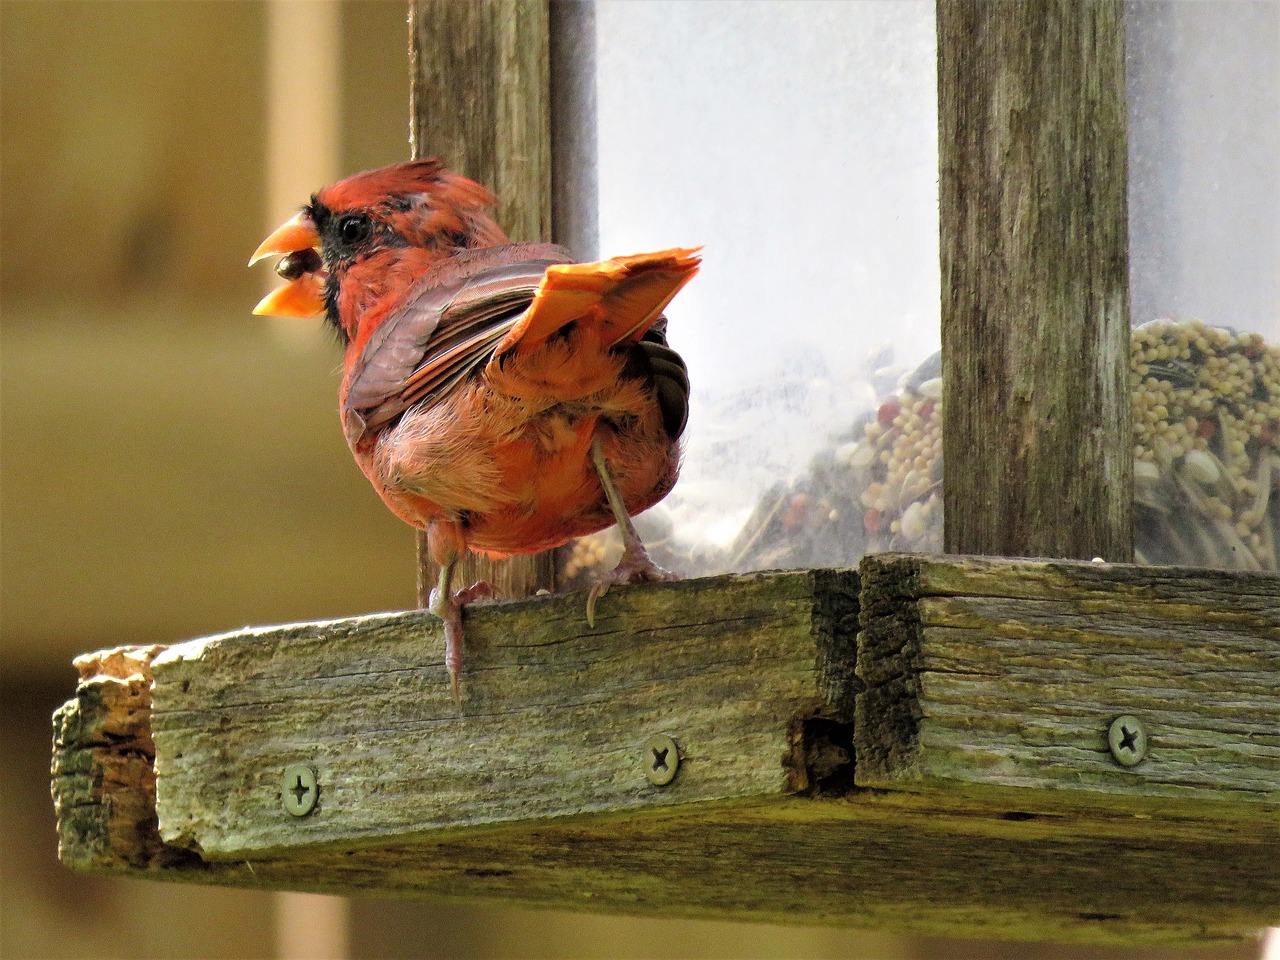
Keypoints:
(797, 141)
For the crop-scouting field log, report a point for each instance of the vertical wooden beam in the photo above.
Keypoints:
(480, 99)
(1034, 250)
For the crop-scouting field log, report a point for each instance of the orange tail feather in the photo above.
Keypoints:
(621, 297)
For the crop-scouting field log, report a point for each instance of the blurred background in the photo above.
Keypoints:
(173, 467)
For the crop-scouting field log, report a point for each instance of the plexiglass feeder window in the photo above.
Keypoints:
(798, 142)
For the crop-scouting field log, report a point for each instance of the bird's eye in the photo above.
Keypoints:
(354, 228)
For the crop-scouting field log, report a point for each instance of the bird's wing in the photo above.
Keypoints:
(451, 320)
(621, 297)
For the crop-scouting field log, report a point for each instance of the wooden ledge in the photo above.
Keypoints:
(945, 769)
(986, 672)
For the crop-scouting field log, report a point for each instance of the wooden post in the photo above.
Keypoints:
(480, 99)
(1035, 310)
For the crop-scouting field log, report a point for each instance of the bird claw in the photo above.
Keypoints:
(597, 591)
(634, 567)
(448, 607)
(480, 590)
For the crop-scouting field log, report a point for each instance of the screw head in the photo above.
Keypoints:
(1127, 739)
(661, 759)
(299, 789)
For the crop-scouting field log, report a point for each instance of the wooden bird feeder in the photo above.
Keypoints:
(979, 746)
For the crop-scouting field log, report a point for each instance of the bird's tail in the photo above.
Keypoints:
(621, 297)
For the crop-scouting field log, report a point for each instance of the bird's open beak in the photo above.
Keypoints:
(298, 244)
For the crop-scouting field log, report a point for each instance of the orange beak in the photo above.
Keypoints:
(297, 241)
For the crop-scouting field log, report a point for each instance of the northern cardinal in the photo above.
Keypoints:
(497, 395)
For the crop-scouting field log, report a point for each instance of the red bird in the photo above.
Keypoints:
(497, 395)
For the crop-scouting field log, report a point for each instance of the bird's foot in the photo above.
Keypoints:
(634, 567)
(448, 607)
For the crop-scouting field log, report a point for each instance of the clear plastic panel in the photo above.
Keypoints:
(1204, 204)
(1204, 162)
(798, 142)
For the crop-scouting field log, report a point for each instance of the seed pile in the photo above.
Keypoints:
(1206, 435)
(878, 487)
(580, 562)
(1206, 447)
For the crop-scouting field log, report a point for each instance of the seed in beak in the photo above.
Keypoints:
(293, 265)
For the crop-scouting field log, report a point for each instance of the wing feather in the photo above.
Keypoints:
(453, 317)
(481, 304)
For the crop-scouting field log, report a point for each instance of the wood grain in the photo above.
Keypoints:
(553, 722)
(1034, 253)
(981, 802)
(104, 785)
(480, 99)
(985, 673)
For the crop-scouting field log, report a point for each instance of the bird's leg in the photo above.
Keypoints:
(447, 605)
(635, 565)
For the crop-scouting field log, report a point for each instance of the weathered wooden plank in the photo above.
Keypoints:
(534, 791)
(876, 864)
(104, 785)
(554, 719)
(1048, 579)
(887, 861)
(985, 673)
(897, 862)
(1034, 252)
